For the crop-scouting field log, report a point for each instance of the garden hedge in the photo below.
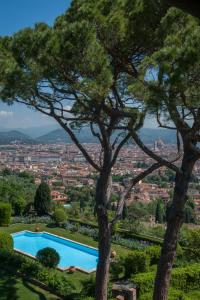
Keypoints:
(136, 262)
(5, 214)
(173, 295)
(6, 241)
(154, 253)
(125, 233)
(184, 279)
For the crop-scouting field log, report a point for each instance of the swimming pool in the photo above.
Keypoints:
(71, 253)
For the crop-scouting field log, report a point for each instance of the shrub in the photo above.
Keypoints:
(129, 242)
(6, 241)
(154, 253)
(183, 279)
(173, 295)
(137, 262)
(48, 257)
(59, 216)
(117, 268)
(30, 268)
(19, 206)
(12, 262)
(144, 282)
(192, 252)
(31, 220)
(115, 228)
(89, 287)
(60, 283)
(5, 214)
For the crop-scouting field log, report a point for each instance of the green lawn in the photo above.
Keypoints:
(64, 233)
(14, 288)
(76, 278)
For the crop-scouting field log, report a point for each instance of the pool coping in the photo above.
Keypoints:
(59, 268)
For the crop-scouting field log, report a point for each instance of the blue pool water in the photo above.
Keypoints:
(71, 253)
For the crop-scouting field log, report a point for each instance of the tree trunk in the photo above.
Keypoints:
(174, 224)
(103, 191)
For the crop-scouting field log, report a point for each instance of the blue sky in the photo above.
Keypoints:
(15, 15)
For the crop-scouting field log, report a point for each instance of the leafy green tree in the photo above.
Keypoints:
(192, 7)
(78, 72)
(26, 175)
(170, 77)
(14, 187)
(19, 206)
(193, 244)
(48, 257)
(5, 214)
(59, 216)
(6, 172)
(6, 241)
(43, 201)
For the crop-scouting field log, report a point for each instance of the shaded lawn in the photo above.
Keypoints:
(14, 288)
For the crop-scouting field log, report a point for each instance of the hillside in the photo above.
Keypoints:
(148, 136)
(12, 136)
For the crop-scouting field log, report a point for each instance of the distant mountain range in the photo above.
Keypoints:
(148, 136)
(8, 137)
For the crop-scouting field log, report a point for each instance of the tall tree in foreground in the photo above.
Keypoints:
(42, 200)
(171, 87)
(78, 73)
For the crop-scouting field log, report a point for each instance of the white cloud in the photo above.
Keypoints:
(67, 107)
(5, 114)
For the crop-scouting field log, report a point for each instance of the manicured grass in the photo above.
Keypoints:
(14, 288)
(78, 237)
(77, 278)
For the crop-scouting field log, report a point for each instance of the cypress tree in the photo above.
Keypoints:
(159, 213)
(42, 200)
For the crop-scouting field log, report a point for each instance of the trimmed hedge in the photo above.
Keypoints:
(48, 257)
(154, 253)
(6, 241)
(5, 214)
(144, 282)
(137, 262)
(123, 232)
(173, 295)
(184, 279)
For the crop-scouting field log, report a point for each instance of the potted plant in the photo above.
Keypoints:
(72, 269)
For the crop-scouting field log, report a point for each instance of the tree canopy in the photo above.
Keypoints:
(107, 64)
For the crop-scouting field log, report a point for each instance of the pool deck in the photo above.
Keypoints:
(59, 268)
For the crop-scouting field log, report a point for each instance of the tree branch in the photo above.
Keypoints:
(134, 181)
(150, 153)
